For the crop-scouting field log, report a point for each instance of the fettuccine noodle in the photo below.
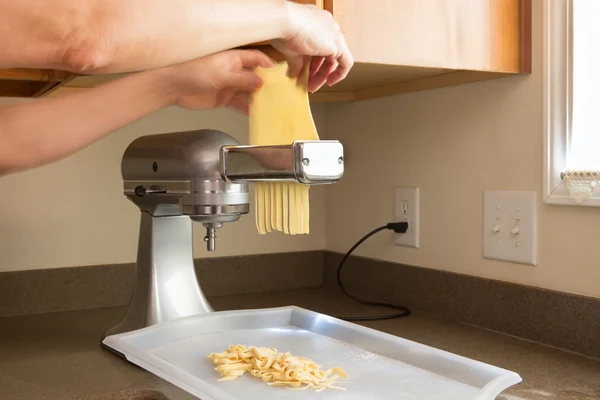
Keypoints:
(274, 368)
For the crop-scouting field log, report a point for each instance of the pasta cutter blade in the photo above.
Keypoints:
(310, 162)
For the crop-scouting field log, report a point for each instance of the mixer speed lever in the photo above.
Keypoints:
(140, 191)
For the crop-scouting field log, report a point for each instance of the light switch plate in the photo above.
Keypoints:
(510, 226)
(406, 208)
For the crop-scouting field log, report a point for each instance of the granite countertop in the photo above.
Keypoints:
(58, 356)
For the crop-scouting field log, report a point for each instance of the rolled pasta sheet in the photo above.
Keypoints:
(280, 114)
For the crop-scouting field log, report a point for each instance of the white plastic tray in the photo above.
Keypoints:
(379, 365)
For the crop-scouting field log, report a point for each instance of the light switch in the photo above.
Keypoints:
(510, 226)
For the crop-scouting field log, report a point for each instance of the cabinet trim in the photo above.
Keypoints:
(40, 75)
(427, 83)
(525, 36)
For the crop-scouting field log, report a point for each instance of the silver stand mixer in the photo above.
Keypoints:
(200, 176)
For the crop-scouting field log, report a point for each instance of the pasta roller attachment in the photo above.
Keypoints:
(310, 162)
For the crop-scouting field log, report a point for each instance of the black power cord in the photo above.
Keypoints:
(398, 227)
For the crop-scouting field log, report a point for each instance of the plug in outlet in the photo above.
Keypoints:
(406, 208)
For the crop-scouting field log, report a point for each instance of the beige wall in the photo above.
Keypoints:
(73, 212)
(454, 143)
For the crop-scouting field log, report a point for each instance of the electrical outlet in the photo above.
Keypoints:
(406, 208)
(510, 226)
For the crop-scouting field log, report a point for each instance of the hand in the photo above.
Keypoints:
(223, 79)
(313, 32)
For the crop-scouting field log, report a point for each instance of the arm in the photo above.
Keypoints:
(33, 134)
(37, 133)
(112, 36)
(107, 36)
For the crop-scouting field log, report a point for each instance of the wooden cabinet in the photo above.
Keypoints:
(21, 82)
(410, 45)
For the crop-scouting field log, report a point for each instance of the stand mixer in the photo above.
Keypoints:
(200, 176)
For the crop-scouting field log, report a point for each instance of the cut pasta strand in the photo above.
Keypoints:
(275, 368)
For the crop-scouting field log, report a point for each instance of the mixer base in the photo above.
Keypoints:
(165, 286)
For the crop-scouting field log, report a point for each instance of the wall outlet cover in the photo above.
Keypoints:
(406, 208)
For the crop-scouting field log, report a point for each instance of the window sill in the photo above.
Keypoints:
(560, 196)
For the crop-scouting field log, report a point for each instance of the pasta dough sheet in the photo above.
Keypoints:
(280, 114)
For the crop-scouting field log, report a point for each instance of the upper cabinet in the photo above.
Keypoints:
(22, 82)
(409, 45)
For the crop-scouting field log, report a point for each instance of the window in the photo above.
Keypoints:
(572, 102)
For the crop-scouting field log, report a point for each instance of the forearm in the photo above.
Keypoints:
(109, 36)
(37, 133)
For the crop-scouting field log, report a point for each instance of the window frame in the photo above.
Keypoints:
(557, 100)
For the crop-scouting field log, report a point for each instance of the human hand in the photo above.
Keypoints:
(313, 32)
(224, 79)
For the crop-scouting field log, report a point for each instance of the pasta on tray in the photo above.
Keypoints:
(275, 368)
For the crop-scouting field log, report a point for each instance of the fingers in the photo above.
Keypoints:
(246, 81)
(345, 63)
(238, 101)
(320, 77)
(316, 33)
(239, 105)
(319, 35)
(315, 65)
(333, 69)
(251, 59)
(233, 99)
(295, 65)
(244, 96)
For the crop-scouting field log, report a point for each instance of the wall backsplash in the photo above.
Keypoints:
(73, 212)
(454, 143)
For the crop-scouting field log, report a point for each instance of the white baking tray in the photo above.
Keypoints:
(379, 365)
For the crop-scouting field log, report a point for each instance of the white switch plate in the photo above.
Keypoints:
(505, 212)
(406, 208)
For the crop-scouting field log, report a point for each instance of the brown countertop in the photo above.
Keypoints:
(58, 356)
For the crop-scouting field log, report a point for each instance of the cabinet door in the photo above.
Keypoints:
(481, 35)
